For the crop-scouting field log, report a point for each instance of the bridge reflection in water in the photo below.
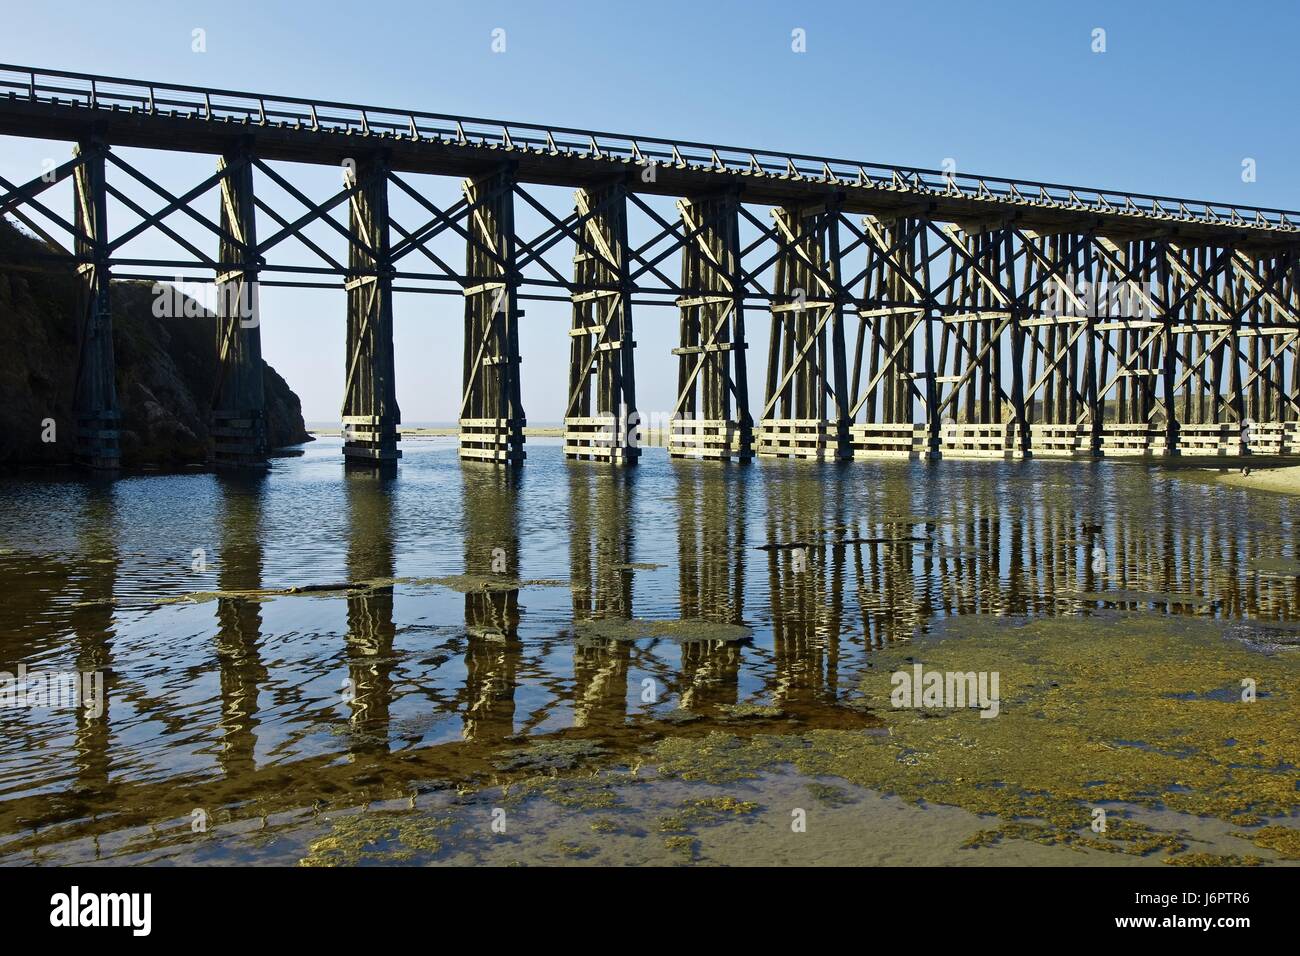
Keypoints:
(415, 681)
(239, 621)
(493, 647)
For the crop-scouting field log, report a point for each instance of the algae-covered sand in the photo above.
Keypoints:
(1139, 716)
(1132, 711)
(1123, 739)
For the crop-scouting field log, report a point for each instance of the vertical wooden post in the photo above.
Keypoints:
(491, 412)
(1291, 403)
(370, 411)
(239, 405)
(1167, 351)
(1094, 401)
(932, 421)
(711, 417)
(896, 303)
(836, 360)
(600, 419)
(1018, 427)
(95, 397)
(807, 366)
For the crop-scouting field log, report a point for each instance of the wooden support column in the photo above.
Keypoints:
(370, 412)
(931, 450)
(491, 410)
(806, 409)
(1054, 316)
(711, 417)
(1167, 346)
(896, 303)
(95, 405)
(1291, 402)
(1093, 399)
(979, 418)
(600, 421)
(239, 405)
(1018, 426)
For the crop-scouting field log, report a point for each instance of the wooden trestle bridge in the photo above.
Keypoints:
(912, 312)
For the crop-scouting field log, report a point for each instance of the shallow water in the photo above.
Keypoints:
(455, 609)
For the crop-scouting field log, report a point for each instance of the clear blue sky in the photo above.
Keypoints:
(1183, 93)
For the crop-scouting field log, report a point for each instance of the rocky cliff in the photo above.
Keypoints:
(166, 369)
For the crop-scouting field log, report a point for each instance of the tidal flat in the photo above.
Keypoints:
(685, 665)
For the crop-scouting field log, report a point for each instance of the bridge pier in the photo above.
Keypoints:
(1165, 349)
(95, 407)
(897, 277)
(1060, 400)
(711, 417)
(239, 405)
(491, 410)
(1269, 406)
(370, 411)
(1134, 333)
(1205, 426)
(806, 410)
(600, 419)
(978, 417)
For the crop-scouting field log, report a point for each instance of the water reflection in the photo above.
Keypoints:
(491, 534)
(711, 554)
(413, 681)
(239, 621)
(91, 620)
(371, 626)
(600, 579)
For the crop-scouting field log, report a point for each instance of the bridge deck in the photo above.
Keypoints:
(124, 112)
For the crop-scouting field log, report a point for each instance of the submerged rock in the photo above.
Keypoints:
(548, 756)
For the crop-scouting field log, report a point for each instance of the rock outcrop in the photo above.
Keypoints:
(166, 369)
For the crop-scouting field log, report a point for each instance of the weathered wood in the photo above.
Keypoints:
(239, 402)
(95, 392)
(896, 306)
(370, 411)
(491, 410)
(806, 408)
(960, 345)
(95, 395)
(711, 417)
(602, 381)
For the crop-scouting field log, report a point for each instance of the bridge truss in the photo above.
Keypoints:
(911, 312)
